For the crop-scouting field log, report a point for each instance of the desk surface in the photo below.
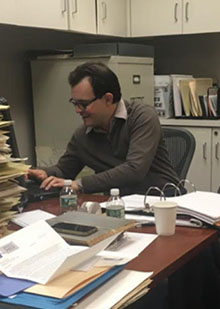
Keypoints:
(166, 254)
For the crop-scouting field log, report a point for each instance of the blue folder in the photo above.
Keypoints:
(11, 286)
(42, 302)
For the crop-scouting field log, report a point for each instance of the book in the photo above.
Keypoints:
(185, 96)
(106, 226)
(198, 87)
(178, 108)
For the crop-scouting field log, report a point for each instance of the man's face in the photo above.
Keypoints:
(95, 112)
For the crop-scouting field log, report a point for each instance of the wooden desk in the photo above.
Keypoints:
(166, 254)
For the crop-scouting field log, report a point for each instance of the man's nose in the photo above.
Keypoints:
(77, 109)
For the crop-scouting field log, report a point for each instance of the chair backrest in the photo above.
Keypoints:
(181, 146)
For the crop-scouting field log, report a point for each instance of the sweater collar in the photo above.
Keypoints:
(121, 112)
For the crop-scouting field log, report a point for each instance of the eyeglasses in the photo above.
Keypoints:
(82, 104)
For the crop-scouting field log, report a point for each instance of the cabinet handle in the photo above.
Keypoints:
(104, 10)
(187, 11)
(175, 12)
(74, 6)
(217, 151)
(63, 6)
(204, 151)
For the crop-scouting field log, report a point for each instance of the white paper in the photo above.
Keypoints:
(126, 249)
(111, 292)
(132, 202)
(26, 218)
(150, 220)
(39, 254)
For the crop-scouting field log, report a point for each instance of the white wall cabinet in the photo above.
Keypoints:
(159, 17)
(82, 15)
(107, 17)
(77, 15)
(215, 159)
(46, 14)
(156, 17)
(204, 170)
(7, 11)
(112, 17)
(201, 16)
(200, 172)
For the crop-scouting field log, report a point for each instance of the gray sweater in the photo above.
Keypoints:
(131, 157)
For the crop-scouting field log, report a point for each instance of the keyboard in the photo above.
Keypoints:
(35, 193)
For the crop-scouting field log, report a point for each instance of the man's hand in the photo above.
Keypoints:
(37, 174)
(53, 181)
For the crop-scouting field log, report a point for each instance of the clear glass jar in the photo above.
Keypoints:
(115, 205)
(68, 197)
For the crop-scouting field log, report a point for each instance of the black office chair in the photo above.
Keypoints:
(181, 146)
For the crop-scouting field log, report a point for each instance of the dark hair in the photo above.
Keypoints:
(102, 79)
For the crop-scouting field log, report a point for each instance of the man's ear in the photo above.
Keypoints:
(108, 98)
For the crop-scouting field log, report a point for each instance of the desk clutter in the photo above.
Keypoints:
(10, 169)
(28, 254)
(187, 97)
(195, 209)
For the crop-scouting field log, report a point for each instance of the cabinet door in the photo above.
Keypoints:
(7, 12)
(112, 17)
(215, 159)
(156, 17)
(200, 169)
(82, 15)
(201, 16)
(41, 13)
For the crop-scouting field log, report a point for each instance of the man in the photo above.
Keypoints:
(121, 141)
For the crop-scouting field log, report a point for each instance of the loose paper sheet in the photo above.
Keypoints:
(114, 290)
(39, 254)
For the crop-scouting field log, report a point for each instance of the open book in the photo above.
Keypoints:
(204, 206)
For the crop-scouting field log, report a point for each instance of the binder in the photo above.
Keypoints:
(196, 208)
(199, 205)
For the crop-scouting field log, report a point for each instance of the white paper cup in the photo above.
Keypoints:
(165, 217)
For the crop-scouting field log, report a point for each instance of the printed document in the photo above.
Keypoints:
(39, 254)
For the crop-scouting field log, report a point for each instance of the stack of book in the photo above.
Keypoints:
(10, 169)
(195, 97)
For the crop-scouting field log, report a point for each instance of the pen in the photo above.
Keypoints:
(139, 224)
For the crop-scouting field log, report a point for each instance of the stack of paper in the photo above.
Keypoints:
(65, 273)
(10, 169)
(124, 288)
